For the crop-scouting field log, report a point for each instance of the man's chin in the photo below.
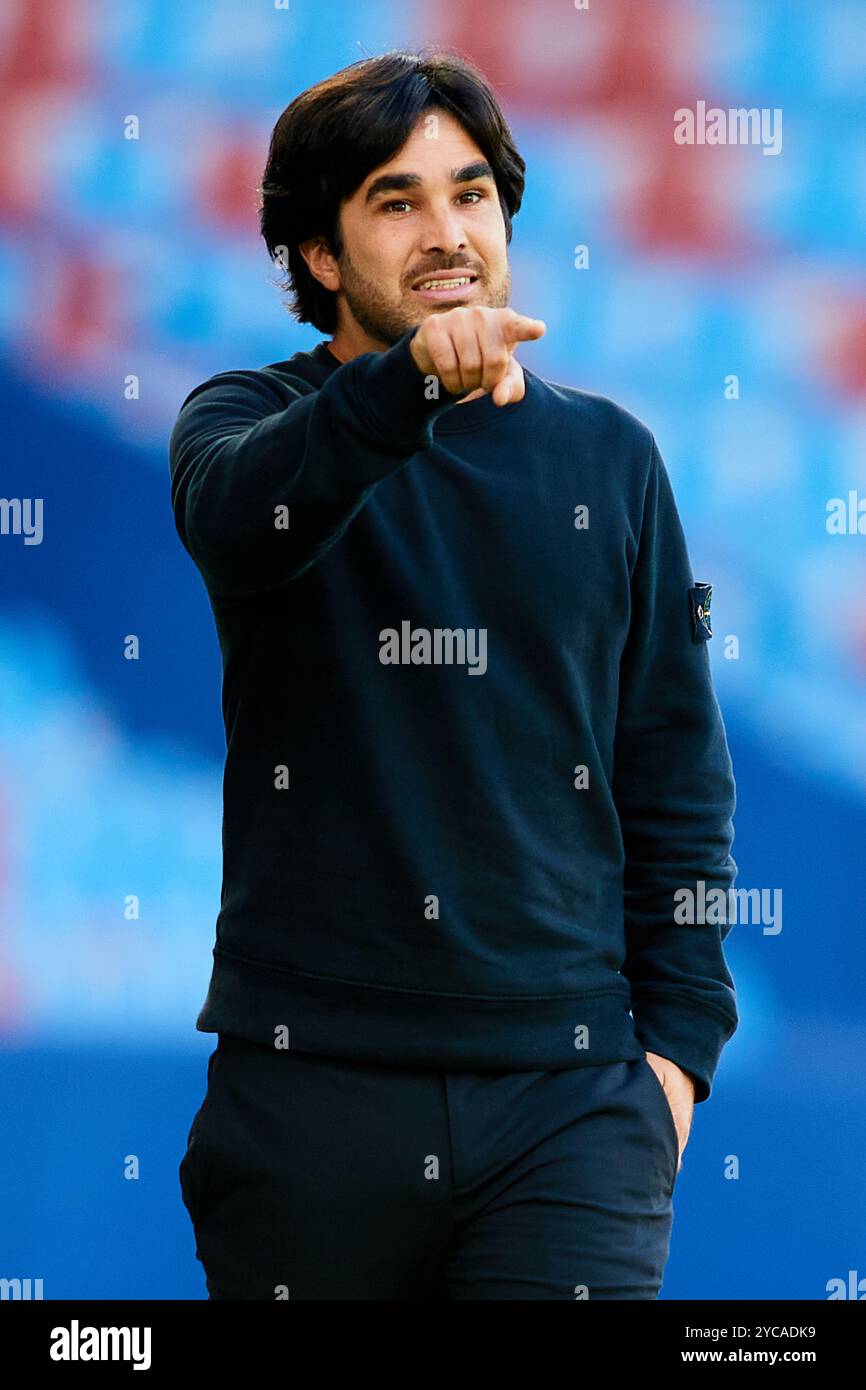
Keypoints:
(424, 308)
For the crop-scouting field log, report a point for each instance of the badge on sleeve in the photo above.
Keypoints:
(700, 597)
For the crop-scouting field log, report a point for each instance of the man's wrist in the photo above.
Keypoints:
(692, 1079)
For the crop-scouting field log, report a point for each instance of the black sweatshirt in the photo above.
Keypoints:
(473, 745)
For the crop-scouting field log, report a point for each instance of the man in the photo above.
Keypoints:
(474, 755)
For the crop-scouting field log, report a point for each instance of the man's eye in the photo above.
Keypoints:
(404, 202)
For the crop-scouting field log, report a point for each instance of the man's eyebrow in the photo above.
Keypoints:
(396, 183)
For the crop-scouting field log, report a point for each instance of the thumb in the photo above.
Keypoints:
(512, 387)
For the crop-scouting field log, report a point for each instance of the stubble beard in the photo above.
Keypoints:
(385, 321)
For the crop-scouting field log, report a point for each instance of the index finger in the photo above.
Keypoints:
(520, 328)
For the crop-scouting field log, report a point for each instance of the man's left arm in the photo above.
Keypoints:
(675, 796)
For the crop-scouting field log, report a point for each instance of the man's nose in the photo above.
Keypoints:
(443, 230)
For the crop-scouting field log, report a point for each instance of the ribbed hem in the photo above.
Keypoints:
(689, 1034)
(409, 1028)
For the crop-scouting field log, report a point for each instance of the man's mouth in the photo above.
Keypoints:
(450, 285)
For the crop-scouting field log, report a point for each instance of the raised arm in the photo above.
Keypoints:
(244, 445)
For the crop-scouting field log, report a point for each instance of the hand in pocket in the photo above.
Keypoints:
(679, 1091)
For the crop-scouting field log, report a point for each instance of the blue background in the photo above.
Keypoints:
(141, 257)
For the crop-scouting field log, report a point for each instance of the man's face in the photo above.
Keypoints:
(432, 208)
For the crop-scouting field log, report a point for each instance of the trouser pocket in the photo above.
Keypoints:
(191, 1175)
(193, 1168)
(666, 1122)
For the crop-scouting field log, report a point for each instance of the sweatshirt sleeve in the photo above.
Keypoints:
(245, 444)
(675, 795)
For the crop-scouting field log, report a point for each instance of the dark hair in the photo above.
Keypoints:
(333, 135)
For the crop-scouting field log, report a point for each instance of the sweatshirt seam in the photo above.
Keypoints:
(479, 424)
(643, 509)
(664, 992)
(450, 423)
(274, 966)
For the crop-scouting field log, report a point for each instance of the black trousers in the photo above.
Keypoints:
(307, 1177)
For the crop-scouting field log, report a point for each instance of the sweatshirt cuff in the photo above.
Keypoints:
(689, 1034)
(396, 399)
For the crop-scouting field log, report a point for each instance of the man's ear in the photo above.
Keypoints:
(321, 262)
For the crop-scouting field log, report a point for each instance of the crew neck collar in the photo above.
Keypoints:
(459, 418)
